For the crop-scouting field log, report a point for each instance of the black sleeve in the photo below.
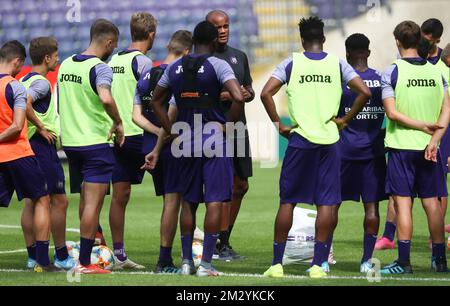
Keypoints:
(247, 77)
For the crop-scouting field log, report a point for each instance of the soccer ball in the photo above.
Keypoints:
(102, 257)
(74, 249)
(197, 252)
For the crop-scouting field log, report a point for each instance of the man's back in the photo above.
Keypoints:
(84, 121)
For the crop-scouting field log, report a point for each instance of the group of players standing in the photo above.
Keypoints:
(110, 116)
(338, 138)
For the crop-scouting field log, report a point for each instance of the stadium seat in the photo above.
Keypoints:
(13, 33)
(39, 32)
(57, 19)
(36, 20)
(25, 18)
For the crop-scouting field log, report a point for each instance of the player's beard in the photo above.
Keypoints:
(106, 56)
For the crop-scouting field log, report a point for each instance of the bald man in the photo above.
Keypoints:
(242, 162)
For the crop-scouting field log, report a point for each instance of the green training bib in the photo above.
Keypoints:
(314, 94)
(84, 121)
(419, 94)
(124, 88)
(49, 119)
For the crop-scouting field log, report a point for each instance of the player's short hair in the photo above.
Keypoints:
(214, 12)
(311, 29)
(408, 34)
(357, 42)
(434, 27)
(205, 33)
(102, 28)
(446, 52)
(11, 50)
(180, 41)
(142, 24)
(40, 47)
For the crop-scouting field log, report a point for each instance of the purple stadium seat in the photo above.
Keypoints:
(28, 6)
(15, 33)
(35, 20)
(64, 33)
(9, 20)
(39, 32)
(172, 15)
(57, 19)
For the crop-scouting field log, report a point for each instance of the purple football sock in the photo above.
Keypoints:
(278, 252)
(32, 251)
(320, 254)
(209, 245)
(85, 251)
(186, 246)
(62, 253)
(438, 249)
(404, 250)
(42, 253)
(119, 251)
(165, 254)
(369, 246)
(389, 231)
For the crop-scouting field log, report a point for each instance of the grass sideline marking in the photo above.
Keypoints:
(248, 275)
(19, 251)
(73, 230)
(70, 230)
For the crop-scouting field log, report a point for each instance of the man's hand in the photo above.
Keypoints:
(247, 95)
(430, 128)
(118, 131)
(225, 96)
(151, 160)
(284, 131)
(431, 151)
(50, 137)
(341, 124)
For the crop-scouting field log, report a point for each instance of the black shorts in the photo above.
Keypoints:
(243, 164)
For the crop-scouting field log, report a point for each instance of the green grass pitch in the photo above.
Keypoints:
(252, 237)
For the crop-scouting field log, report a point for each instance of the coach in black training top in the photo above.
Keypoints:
(242, 165)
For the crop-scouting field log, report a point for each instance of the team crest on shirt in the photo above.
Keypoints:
(234, 60)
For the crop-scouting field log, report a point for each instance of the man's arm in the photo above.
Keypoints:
(246, 89)
(394, 115)
(249, 93)
(151, 159)
(160, 96)
(14, 130)
(31, 116)
(109, 104)
(142, 122)
(163, 135)
(443, 121)
(271, 89)
(237, 107)
(356, 85)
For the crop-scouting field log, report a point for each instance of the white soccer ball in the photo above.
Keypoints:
(102, 257)
(197, 252)
(74, 249)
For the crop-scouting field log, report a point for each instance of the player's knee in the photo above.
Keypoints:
(372, 219)
(123, 197)
(240, 188)
(59, 202)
